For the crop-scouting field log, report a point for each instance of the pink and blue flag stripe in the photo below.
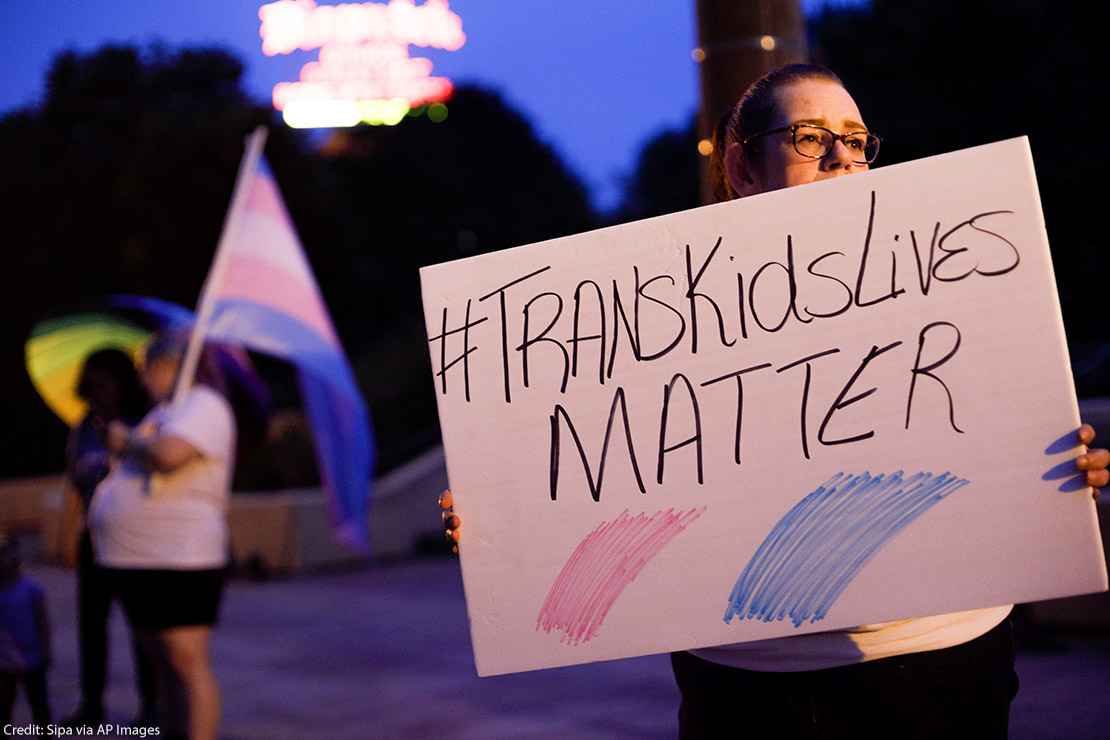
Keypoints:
(266, 298)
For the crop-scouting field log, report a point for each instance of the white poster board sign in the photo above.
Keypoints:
(842, 403)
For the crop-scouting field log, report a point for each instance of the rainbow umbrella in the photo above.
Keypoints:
(56, 352)
(57, 347)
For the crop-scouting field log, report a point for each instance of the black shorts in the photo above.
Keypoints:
(959, 691)
(160, 599)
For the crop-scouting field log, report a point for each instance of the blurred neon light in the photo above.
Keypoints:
(419, 92)
(331, 113)
(388, 112)
(364, 65)
(288, 25)
(322, 113)
(437, 112)
(365, 73)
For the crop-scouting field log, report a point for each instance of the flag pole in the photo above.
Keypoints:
(253, 151)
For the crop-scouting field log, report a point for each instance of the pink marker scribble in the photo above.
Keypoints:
(606, 561)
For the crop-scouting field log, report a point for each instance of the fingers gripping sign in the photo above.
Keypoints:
(1093, 461)
(451, 521)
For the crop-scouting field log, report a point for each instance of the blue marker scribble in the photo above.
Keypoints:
(815, 551)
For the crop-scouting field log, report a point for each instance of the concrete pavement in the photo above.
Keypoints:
(383, 652)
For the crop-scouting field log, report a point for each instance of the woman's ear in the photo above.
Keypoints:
(739, 171)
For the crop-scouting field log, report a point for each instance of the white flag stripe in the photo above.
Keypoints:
(261, 237)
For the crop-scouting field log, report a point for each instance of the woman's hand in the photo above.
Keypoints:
(1093, 461)
(451, 521)
(160, 454)
(116, 436)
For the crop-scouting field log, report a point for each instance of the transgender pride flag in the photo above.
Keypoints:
(261, 294)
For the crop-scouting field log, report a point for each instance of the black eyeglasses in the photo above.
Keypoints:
(815, 142)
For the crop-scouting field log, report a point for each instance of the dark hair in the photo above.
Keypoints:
(227, 371)
(10, 559)
(172, 343)
(753, 113)
(117, 365)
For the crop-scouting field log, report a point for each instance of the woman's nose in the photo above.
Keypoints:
(840, 157)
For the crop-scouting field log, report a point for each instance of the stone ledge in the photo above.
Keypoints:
(280, 532)
(21, 502)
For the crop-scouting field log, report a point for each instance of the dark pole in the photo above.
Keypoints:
(738, 42)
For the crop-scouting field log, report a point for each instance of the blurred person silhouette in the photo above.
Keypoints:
(159, 525)
(24, 638)
(110, 385)
(949, 675)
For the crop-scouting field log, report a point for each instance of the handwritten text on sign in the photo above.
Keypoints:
(680, 415)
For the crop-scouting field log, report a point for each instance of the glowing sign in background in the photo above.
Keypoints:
(364, 73)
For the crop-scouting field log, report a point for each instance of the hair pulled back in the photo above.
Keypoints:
(752, 113)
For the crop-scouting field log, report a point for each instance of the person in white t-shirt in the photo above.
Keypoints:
(950, 675)
(159, 523)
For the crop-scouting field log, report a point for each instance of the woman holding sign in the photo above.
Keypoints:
(941, 676)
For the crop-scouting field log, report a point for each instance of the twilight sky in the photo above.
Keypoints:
(596, 77)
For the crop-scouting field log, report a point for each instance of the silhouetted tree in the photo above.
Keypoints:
(119, 181)
(422, 193)
(666, 175)
(933, 76)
